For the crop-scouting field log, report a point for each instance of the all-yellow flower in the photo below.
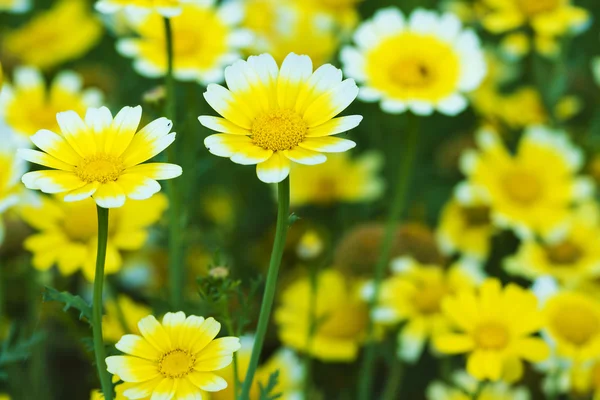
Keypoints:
(585, 380)
(15, 6)
(68, 232)
(273, 116)
(340, 315)
(465, 387)
(530, 191)
(414, 295)
(101, 157)
(424, 63)
(573, 325)
(494, 326)
(27, 105)
(173, 360)
(166, 8)
(572, 256)
(121, 316)
(339, 179)
(11, 192)
(205, 39)
(48, 39)
(465, 229)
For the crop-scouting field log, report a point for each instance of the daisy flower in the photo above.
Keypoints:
(273, 116)
(465, 387)
(166, 8)
(27, 105)
(175, 359)
(11, 191)
(424, 63)
(531, 191)
(101, 157)
(494, 326)
(205, 39)
(47, 40)
(68, 233)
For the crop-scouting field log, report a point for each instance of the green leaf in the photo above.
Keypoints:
(15, 349)
(266, 392)
(70, 301)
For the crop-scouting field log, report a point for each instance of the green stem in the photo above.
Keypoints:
(176, 264)
(394, 382)
(312, 326)
(99, 350)
(398, 205)
(283, 190)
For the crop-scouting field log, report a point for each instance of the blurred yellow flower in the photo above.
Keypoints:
(340, 179)
(166, 8)
(205, 39)
(531, 191)
(572, 320)
(48, 39)
(465, 387)
(68, 233)
(101, 157)
(273, 115)
(422, 63)
(17, 7)
(11, 191)
(28, 106)
(291, 373)
(175, 359)
(121, 317)
(414, 295)
(494, 326)
(585, 380)
(340, 315)
(571, 256)
(344, 11)
(465, 229)
(310, 245)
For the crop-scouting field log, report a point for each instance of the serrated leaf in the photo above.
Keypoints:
(70, 301)
(20, 349)
(266, 392)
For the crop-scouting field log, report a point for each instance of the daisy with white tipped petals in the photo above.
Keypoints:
(422, 63)
(101, 157)
(166, 8)
(273, 115)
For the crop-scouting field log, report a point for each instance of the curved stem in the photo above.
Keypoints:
(99, 350)
(283, 191)
(398, 205)
(176, 265)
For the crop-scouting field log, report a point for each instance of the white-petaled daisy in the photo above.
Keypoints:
(273, 116)
(101, 157)
(206, 38)
(173, 360)
(166, 8)
(422, 63)
(15, 6)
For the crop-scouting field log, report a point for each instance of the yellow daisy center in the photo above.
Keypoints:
(492, 336)
(101, 168)
(576, 322)
(564, 253)
(278, 130)
(344, 322)
(522, 187)
(428, 298)
(476, 216)
(176, 363)
(534, 7)
(410, 72)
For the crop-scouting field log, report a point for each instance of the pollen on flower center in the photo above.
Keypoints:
(522, 187)
(476, 215)
(176, 363)
(278, 130)
(101, 168)
(410, 72)
(428, 299)
(564, 253)
(492, 336)
(534, 7)
(576, 323)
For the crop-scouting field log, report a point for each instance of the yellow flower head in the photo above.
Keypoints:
(48, 39)
(291, 373)
(585, 380)
(494, 326)
(121, 316)
(573, 324)
(572, 256)
(101, 157)
(414, 295)
(547, 17)
(422, 63)
(465, 229)
(173, 360)
(340, 179)
(530, 191)
(465, 387)
(310, 245)
(68, 232)
(27, 105)
(15, 6)
(205, 39)
(340, 315)
(273, 116)
(166, 8)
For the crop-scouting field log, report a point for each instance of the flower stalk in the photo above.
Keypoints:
(283, 191)
(99, 351)
(398, 205)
